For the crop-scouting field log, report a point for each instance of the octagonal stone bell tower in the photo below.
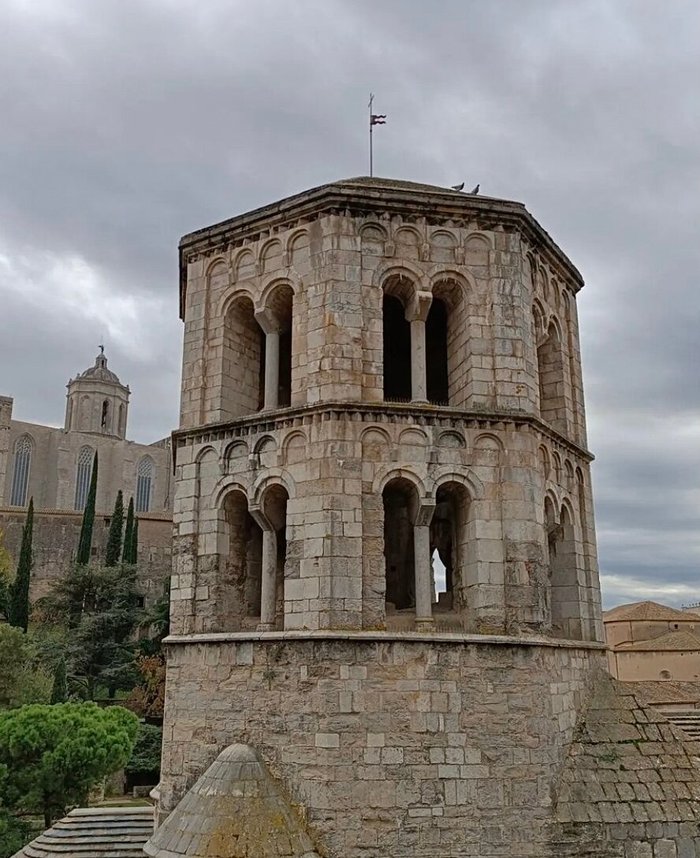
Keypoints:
(385, 574)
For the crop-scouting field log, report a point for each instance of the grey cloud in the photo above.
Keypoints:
(130, 122)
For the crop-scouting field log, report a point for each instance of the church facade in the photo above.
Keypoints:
(54, 466)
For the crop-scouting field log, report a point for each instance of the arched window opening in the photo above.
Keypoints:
(242, 568)
(104, 419)
(400, 499)
(550, 366)
(565, 598)
(436, 348)
(449, 540)
(122, 421)
(83, 476)
(20, 476)
(397, 351)
(144, 484)
(281, 308)
(243, 360)
(275, 508)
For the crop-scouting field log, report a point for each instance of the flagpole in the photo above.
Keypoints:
(371, 165)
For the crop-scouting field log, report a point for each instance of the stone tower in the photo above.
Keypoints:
(385, 575)
(97, 401)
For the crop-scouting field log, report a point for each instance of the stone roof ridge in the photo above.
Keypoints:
(673, 641)
(647, 610)
(234, 810)
(95, 832)
(626, 763)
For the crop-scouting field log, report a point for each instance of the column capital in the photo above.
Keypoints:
(418, 307)
(260, 517)
(268, 321)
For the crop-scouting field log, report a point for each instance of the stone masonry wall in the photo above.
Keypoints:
(56, 536)
(389, 747)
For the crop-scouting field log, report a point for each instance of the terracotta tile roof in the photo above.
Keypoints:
(647, 611)
(680, 641)
(95, 832)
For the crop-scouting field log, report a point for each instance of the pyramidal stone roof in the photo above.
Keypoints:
(235, 810)
(680, 641)
(626, 764)
(95, 832)
(648, 610)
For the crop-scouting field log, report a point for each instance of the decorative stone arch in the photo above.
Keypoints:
(467, 478)
(225, 486)
(488, 450)
(268, 250)
(477, 248)
(568, 475)
(440, 274)
(236, 449)
(565, 592)
(213, 263)
(272, 476)
(266, 443)
(452, 438)
(289, 443)
(296, 240)
(410, 238)
(556, 467)
(373, 238)
(443, 246)
(234, 294)
(275, 315)
(545, 461)
(391, 472)
(376, 444)
(551, 378)
(388, 268)
(243, 264)
(242, 357)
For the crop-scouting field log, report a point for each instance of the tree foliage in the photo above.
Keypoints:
(114, 539)
(101, 609)
(55, 754)
(128, 532)
(145, 758)
(18, 598)
(23, 679)
(148, 697)
(88, 523)
(6, 567)
(59, 689)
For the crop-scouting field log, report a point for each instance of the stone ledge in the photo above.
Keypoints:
(381, 637)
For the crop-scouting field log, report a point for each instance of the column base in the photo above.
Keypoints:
(425, 624)
(265, 627)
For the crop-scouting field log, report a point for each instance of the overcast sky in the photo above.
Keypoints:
(127, 123)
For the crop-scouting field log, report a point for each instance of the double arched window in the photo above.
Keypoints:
(20, 476)
(144, 484)
(83, 476)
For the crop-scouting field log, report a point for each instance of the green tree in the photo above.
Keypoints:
(54, 755)
(59, 691)
(134, 558)
(145, 758)
(101, 607)
(85, 543)
(114, 539)
(128, 532)
(23, 679)
(18, 601)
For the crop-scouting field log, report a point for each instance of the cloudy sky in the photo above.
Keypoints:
(126, 123)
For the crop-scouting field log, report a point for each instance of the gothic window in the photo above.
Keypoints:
(83, 476)
(20, 477)
(144, 484)
(104, 422)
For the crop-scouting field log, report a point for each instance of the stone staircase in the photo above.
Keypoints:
(688, 720)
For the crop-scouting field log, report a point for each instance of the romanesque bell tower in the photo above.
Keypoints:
(385, 576)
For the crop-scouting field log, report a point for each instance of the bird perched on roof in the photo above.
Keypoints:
(474, 190)
(457, 187)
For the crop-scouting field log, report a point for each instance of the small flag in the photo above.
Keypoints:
(377, 119)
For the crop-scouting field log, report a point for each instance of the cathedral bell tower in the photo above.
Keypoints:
(97, 401)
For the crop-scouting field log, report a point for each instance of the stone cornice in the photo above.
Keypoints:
(431, 638)
(365, 196)
(410, 413)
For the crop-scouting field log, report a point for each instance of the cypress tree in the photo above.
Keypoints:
(116, 525)
(134, 543)
(18, 602)
(85, 544)
(128, 532)
(59, 692)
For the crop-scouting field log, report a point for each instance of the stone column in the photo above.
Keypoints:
(268, 589)
(268, 583)
(423, 567)
(416, 314)
(267, 321)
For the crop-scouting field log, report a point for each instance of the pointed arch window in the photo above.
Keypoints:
(20, 476)
(83, 476)
(144, 484)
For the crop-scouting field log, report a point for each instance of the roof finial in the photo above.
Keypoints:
(101, 348)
